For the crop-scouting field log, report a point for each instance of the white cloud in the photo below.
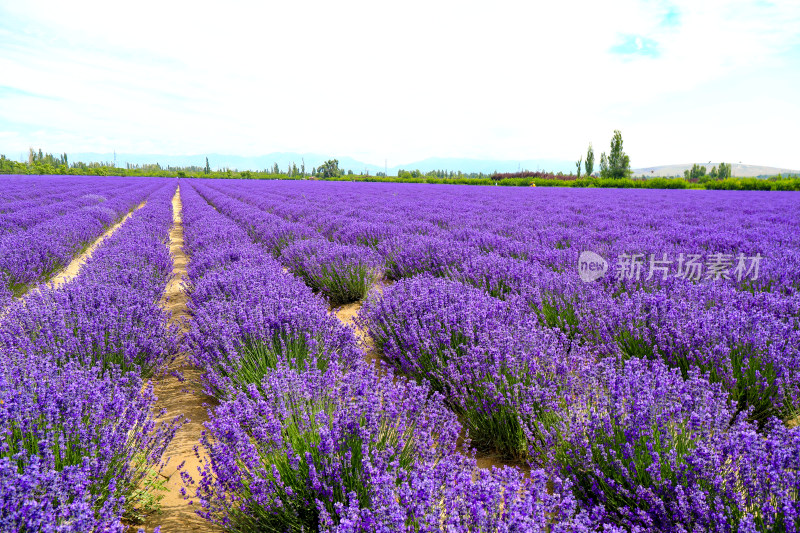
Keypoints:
(516, 80)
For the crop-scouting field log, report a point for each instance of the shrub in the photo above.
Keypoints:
(660, 452)
(94, 323)
(753, 355)
(495, 365)
(409, 255)
(306, 446)
(250, 316)
(342, 273)
(78, 448)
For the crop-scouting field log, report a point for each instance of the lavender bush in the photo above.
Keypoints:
(304, 441)
(750, 350)
(357, 452)
(77, 440)
(341, 273)
(267, 229)
(496, 365)
(649, 402)
(409, 255)
(661, 453)
(109, 314)
(240, 337)
(6, 294)
(79, 448)
(453, 495)
(40, 240)
(249, 315)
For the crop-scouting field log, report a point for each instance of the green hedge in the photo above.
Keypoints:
(754, 184)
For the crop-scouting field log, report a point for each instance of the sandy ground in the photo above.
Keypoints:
(347, 314)
(180, 397)
(74, 267)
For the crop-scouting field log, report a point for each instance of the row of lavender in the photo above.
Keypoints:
(26, 202)
(307, 436)
(24, 195)
(41, 231)
(79, 446)
(518, 358)
(548, 228)
(746, 339)
(657, 447)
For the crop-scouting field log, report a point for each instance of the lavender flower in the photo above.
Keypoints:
(342, 273)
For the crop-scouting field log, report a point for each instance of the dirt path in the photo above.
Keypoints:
(180, 397)
(347, 314)
(72, 269)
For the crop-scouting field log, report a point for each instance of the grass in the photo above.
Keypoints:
(144, 499)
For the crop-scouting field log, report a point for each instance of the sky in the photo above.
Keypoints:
(684, 81)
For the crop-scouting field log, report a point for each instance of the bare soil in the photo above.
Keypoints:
(180, 393)
(347, 315)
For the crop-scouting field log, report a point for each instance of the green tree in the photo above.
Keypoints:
(618, 164)
(603, 165)
(328, 169)
(207, 169)
(697, 172)
(725, 171)
(589, 163)
(578, 165)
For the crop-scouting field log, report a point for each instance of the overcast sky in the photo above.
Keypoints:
(685, 81)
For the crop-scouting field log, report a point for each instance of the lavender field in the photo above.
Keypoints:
(376, 357)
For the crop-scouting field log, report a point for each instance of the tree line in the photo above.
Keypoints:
(615, 165)
(43, 163)
(614, 172)
(698, 173)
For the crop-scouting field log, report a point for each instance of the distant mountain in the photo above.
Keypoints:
(738, 169)
(285, 159)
